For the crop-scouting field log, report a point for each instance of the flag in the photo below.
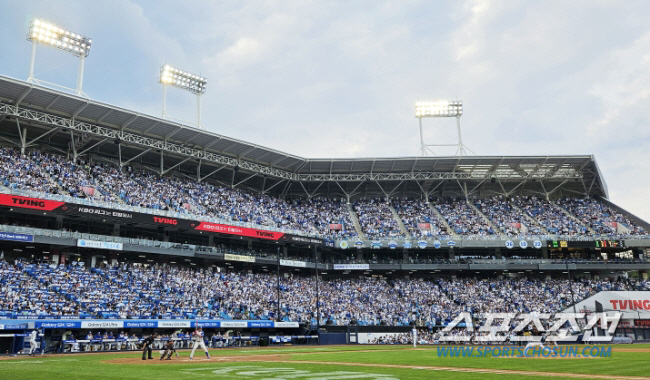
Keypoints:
(89, 191)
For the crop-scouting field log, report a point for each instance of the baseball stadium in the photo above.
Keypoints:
(129, 242)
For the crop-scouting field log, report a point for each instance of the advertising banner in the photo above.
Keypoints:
(102, 324)
(99, 244)
(16, 237)
(30, 203)
(244, 258)
(293, 263)
(239, 231)
(633, 305)
(352, 266)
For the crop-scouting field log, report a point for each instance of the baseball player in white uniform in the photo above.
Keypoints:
(539, 344)
(32, 341)
(197, 337)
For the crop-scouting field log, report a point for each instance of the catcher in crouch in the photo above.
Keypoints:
(168, 350)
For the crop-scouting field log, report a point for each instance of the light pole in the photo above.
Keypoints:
(278, 284)
(317, 289)
(573, 299)
(46, 33)
(196, 84)
(440, 109)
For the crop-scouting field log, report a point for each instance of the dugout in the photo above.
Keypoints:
(58, 335)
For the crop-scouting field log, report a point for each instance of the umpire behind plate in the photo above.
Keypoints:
(147, 344)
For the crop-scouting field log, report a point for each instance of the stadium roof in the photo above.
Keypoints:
(146, 139)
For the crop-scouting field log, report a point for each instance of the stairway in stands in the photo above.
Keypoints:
(442, 219)
(485, 218)
(355, 222)
(574, 218)
(532, 220)
(401, 225)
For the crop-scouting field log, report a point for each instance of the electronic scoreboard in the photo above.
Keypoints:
(556, 244)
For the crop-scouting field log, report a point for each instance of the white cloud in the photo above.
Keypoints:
(339, 79)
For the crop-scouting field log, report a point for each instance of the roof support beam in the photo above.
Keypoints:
(131, 120)
(92, 146)
(175, 166)
(557, 187)
(134, 157)
(436, 187)
(9, 141)
(24, 95)
(78, 110)
(51, 131)
(50, 104)
(247, 178)
(211, 173)
(516, 187)
(272, 186)
(104, 116)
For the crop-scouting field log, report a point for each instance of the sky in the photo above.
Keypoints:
(340, 78)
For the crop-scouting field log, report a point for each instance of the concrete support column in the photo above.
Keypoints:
(116, 229)
(544, 253)
(452, 255)
(497, 253)
(93, 261)
(210, 240)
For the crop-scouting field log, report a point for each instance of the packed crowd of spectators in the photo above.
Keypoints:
(376, 218)
(54, 174)
(550, 216)
(49, 173)
(137, 291)
(418, 218)
(602, 219)
(503, 215)
(22, 173)
(462, 219)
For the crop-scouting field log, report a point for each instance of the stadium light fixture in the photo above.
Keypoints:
(46, 33)
(196, 84)
(439, 109)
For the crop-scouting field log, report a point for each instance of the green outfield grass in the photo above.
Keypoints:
(320, 362)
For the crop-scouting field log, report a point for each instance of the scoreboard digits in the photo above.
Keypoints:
(557, 244)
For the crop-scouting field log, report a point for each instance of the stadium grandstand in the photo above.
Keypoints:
(110, 214)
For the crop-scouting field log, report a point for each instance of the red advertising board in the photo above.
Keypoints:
(134, 217)
(336, 227)
(31, 203)
(239, 231)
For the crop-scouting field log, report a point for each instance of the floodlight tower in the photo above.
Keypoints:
(44, 32)
(438, 109)
(171, 76)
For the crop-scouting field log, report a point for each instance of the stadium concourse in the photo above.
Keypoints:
(114, 221)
